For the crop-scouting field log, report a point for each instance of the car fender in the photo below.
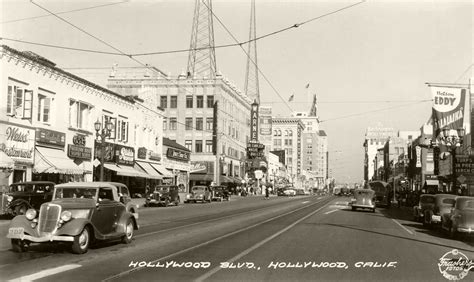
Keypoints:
(18, 202)
(74, 227)
(22, 221)
(123, 221)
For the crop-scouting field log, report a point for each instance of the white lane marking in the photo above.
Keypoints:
(305, 202)
(258, 245)
(330, 212)
(319, 198)
(45, 273)
(406, 229)
(207, 242)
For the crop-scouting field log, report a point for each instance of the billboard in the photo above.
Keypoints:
(449, 109)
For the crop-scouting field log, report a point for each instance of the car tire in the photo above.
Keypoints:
(167, 202)
(81, 242)
(128, 237)
(177, 202)
(353, 208)
(19, 246)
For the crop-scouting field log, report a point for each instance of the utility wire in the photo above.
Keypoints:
(248, 56)
(64, 12)
(356, 102)
(462, 75)
(374, 111)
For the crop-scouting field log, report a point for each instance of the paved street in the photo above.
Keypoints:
(252, 239)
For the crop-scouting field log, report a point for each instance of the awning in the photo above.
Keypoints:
(49, 160)
(226, 179)
(201, 177)
(431, 182)
(162, 170)
(152, 173)
(126, 170)
(237, 180)
(6, 161)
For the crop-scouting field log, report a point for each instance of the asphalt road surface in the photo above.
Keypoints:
(306, 238)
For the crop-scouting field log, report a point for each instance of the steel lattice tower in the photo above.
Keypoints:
(251, 78)
(202, 56)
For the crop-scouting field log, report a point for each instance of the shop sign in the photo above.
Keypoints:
(418, 156)
(177, 154)
(254, 122)
(141, 154)
(124, 155)
(79, 140)
(155, 156)
(50, 137)
(19, 144)
(79, 152)
(198, 167)
(464, 164)
(108, 151)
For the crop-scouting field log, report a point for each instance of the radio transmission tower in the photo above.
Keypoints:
(202, 56)
(251, 78)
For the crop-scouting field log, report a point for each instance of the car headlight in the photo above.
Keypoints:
(9, 198)
(188, 196)
(30, 214)
(66, 216)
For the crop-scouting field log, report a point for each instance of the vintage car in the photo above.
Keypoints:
(382, 192)
(289, 192)
(300, 192)
(281, 192)
(426, 202)
(461, 217)
(163, 195)
(199, 193)
(363, 199)
(125, 198)
(220, 193)
(442, 204)
(22, 196)
(80, 213)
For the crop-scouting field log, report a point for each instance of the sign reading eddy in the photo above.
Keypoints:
(449, 108)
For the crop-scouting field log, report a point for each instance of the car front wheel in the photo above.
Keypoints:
(80, 245)
(127, 238)
(20, 246)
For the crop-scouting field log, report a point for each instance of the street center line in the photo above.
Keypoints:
(258, 245)
(330, 212)
(406, 229)
(45, 273)
(127, 272)
(305, 202)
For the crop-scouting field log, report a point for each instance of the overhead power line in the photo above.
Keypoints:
(356, 102)
(64, 12)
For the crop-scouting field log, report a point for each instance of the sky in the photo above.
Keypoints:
(367, 64)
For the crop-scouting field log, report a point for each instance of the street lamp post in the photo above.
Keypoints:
(221, 164)
(452, 142)
(101, 134)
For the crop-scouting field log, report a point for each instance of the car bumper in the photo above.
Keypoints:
(467, 230)
(435, 219)
(47, 238)
(363, 206)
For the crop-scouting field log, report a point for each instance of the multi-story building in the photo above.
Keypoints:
(210, 117)
(287, 135)
(375, 138)
(47, 125)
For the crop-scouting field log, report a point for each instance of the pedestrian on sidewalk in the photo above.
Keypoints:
(267, 192)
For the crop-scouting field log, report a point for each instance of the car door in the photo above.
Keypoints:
(105, 214)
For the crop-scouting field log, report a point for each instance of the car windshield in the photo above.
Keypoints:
(198, 189)
(364, 193)
(465, 204)
(427, 199)
(75, 192)
(162, 189)
(448, 202)
(21, 188)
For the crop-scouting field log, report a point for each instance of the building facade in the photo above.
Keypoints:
(375, 138)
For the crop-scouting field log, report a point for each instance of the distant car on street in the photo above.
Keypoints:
(289, 192)
(382, 193)
(461, 217)
(199, 193)
(426, 202)
(220, 193)
(163, 195)
(363, 199)
(26, 195)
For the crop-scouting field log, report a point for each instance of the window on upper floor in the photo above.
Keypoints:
(106, 117)
(198, 146)
(210, 101)
(199, 101)
(173, 102)
(199, 123)
(209, 123)
(188, 123)
(19, 99)
(208, 146)
(122, 129)
(164, 102)
(79, 114)
(189, 102)
(165, 122)
(45, 103)
(173, 124)
(188, 144)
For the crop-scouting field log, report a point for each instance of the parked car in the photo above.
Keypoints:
(220, 193)
(443, 204)
(363, 199)
(281, 192)
(299, 192)
(125, 198)
(22, 196)
(80, 212)
(163, 195)
(461, 217)
(289, 192)
(382, 192)
(199, 193)
(426, 202)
